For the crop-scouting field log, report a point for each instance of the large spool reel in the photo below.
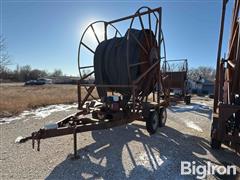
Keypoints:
(88, 65)
(151, 51)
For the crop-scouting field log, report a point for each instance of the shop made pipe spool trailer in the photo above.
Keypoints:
(176, 71)
(226, 112)
(125, 74)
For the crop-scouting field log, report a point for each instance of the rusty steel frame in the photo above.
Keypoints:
(81, 122)
(134, 84)
(169, 75)
(175, 60)
(227, 84)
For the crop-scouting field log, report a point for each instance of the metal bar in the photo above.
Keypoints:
(231, 64)
(95, 34)
(234, 19)
(221, 81)
(89, 90)
(79, 94)
(236, 77)
(160, 29)
(227, 78)
(84, 121)
(75, 144)
(153, 94)
(85, 67)
(116, 33)
(156, 28)
(134, 102)
(158, 91)
(233, 41)
(83, 128)
(159, 46)
(87, 76)
(105, 31)
(136, 64)
(87, 47)
(146, 72)
(144, 32)
(217, 85)
(140, 44)
(132, 16)
(227, 107)
(172, 60)
(110, 85)
(150, 27)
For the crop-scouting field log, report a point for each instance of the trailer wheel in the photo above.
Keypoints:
(215, 144)
(162, 117)
(187, 100)
(152, 122)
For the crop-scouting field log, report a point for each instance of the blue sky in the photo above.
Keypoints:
(45, 34)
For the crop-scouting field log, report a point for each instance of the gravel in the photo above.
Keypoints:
(125, 152)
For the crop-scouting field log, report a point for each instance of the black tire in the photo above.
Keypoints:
(162, 117)
(152, 122)
(237, 100)
(187, 100)
(215, 144)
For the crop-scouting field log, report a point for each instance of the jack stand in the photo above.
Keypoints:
(75, 156)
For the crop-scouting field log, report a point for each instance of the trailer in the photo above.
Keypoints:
(226, 112)
(176, 72)
(108, 102)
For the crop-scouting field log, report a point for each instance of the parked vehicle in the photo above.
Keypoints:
(31, 82)
(40, 81)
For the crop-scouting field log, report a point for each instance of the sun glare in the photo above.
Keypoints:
(89, 37)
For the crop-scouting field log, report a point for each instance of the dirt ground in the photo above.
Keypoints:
(126, 152)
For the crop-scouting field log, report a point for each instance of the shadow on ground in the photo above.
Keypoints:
(163, 151)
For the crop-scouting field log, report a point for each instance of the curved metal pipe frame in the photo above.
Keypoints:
(79, 122)
(81, 43)
(155, 68)
(227, 83)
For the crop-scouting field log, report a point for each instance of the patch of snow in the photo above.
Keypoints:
(187, 122)
(39, 113)
(46, 111)
(18, 139)
(182, 108)
(192, 125)
(9, 119)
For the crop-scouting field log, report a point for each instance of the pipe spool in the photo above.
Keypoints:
(111, 65)
(121, 60)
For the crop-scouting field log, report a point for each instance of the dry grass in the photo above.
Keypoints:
(17, 98)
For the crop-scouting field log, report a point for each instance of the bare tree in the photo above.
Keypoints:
(24, 73)
(36, 73)
(4, 57)
(202, 72)
(57, 73)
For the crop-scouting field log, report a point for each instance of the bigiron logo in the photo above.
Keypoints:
(201, 171)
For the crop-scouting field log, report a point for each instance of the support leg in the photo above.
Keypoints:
(75, 156)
